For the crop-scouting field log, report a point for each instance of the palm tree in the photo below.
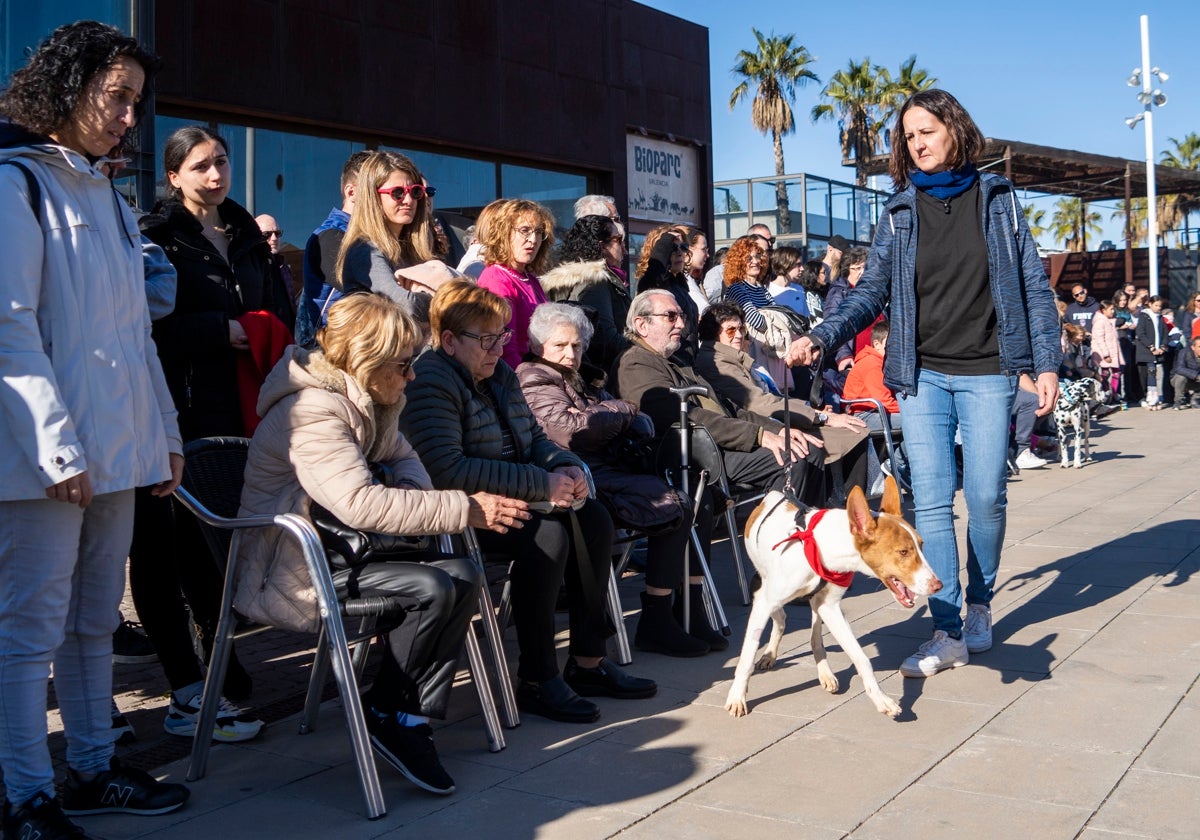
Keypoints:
(1072, 222)
(864, 97)
(1135, 225)
(1186, 155)
(908, 81)
(1036, 219)
(776, 69)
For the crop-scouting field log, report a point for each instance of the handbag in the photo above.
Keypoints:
(348, 547)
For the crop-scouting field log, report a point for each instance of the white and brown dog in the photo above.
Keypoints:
(816, 553)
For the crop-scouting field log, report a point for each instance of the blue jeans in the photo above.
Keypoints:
(62, 574)
(980, 407)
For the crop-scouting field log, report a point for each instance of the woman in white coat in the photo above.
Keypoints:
(85, 416)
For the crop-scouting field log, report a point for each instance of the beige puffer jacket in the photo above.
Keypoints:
(319, 430)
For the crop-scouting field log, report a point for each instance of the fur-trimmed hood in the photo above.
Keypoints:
(567, 281)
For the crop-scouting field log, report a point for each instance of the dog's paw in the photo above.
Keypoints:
(887, 706)
(736, 706)
(826, 677)
(765, 662)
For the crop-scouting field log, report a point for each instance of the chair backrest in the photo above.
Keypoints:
(703, 453)
(213, 473)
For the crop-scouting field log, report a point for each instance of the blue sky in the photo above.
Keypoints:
(1051, 73)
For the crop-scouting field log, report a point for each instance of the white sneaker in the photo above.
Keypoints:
(977, 629)
(939, 653)
(232, 724)
(1028, 461)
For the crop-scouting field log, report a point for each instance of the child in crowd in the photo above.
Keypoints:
(865, 381)
(1024, 412)
(1107, 357)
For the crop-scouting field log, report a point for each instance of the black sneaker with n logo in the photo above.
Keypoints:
(120, 790)
(41, 818)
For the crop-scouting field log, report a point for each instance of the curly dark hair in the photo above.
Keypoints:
(582, 241)
(710, 322)
(43, 94)
(811, 276)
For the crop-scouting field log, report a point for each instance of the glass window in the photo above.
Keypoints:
(818, 209)
(25, 25)
(463, 185)
(729, 210)
(297, 179)
(556, 191)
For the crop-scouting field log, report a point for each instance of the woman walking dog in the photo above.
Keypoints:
(971, 309)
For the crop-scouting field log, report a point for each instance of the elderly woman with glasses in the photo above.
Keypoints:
(590, 272)
(328, 430)
(470, 423)
(516, 249)
(569, 401)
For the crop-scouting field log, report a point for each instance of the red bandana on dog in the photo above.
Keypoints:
(813, 556)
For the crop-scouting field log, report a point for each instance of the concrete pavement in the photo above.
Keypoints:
(1083, 721)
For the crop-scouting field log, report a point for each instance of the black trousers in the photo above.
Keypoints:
(664, 552)
(168, 561)
(544, 556)
(439, 596)
(760, 469)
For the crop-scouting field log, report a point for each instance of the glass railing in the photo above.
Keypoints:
(803, 210)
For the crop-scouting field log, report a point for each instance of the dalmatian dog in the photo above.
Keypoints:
(1072, 412)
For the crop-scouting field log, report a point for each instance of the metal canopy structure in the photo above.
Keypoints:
(1044, 169)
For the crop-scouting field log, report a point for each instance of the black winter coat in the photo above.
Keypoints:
(193, 341)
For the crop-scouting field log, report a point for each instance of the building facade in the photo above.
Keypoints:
(543, 99)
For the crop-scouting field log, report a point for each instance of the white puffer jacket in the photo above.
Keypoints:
(81, 388)
(319, 430)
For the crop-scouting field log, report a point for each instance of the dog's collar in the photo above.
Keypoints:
(813, 555)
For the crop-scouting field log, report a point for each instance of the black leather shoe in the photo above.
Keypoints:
(556, 700)
(607, 680)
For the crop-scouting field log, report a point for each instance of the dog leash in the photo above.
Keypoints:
(813, 555)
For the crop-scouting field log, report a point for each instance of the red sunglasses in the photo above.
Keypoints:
(417, 191)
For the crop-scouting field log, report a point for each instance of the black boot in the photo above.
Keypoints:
(659, 632)
(700, 629)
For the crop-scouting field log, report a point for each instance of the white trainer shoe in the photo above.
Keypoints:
(1028, 461)
(938, 654)
(977, 628)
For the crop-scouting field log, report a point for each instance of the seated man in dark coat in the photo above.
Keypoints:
(755, 448)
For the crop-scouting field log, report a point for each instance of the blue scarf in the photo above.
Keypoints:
(948, 184)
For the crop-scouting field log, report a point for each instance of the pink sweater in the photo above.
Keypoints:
(523, 292)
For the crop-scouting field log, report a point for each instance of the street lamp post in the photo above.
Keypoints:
(1149, 98)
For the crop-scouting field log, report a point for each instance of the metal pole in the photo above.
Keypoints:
(250, 197)
(1151, 190)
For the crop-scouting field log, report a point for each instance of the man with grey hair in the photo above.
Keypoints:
(754, 448)
(597, 205)
(714, 281)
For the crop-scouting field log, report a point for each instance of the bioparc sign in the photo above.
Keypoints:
(663, 180)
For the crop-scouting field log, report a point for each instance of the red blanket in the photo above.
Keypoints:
(269, 337)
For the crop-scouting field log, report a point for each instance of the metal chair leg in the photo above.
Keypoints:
(712, 602)
(215, 679)
(739, 554)
(495, 638)
(483, 687)
(316, 682)
(621, 637)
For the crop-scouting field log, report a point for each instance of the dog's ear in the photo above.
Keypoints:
(862, 523)
(891, 497)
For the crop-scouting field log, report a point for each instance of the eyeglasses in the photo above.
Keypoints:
(403, 366)
(490, 341)
(731, 330)
(756, 257)
(682, 248)
(417, 191)
(1078, 294)
(271, 234)
(529, 234)
(672, 315)
(769, 242)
